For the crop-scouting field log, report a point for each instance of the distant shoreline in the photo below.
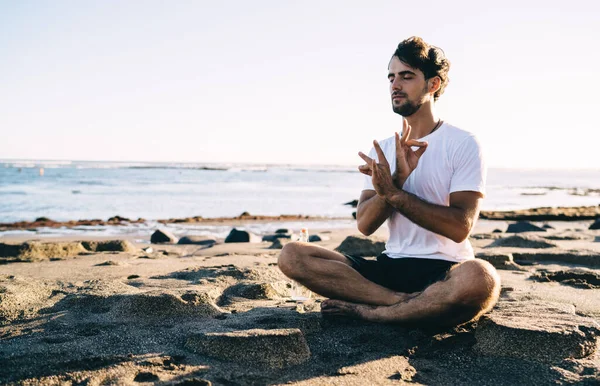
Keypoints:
(534, 214)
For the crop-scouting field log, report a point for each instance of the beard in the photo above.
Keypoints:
(407, 108)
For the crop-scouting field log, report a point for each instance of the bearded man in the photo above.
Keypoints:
(427, 182)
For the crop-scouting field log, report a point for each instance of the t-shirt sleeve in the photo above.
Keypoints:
(368, 181)
(469, 167)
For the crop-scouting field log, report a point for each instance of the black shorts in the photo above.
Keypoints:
(406, 274)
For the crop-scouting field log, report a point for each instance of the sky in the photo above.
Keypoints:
(300, 82)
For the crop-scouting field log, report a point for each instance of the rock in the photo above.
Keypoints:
(521, 241)
(547, 226)
(109, 246)
(37, 251)
(42, 219)
(237, 236)
(353, 203)
(282, 230)
(277, 348)
(198, 240)
(523, 226)
(118, 219)
(163, 236)
(540, 331)
(314, 238)
(354, 215)
(361, 246)
(497, 231)
(595, 225)
(276, 236)
(278, 243)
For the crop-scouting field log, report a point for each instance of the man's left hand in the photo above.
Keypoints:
(381, 176)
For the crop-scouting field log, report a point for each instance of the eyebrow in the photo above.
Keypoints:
(402, 73)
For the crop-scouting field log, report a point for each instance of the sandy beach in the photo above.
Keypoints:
(97, 313)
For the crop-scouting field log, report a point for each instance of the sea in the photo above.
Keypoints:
(72, 190)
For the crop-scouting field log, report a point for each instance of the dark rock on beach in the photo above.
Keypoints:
(523, 226)
(595, 225)
(238, 236)
(163, 236)
(276, 236)
(361, 246)
(278, 243)
(197, 240)
(353, 203)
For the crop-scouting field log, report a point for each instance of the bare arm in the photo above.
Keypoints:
(372, 211)
(454, 222)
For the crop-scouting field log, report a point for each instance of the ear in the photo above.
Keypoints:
(434, 84)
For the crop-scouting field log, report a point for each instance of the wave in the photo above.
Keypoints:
(177, 167)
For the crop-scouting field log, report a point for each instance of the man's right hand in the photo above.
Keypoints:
(407, 159)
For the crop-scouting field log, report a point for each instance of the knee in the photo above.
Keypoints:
(482, 284)
(291, 259)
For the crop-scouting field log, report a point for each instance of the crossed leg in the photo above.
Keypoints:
(469, 290)
(330, 274)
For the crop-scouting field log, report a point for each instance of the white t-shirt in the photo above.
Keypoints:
(453, 162)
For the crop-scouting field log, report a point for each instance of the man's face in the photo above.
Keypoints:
(408, 88)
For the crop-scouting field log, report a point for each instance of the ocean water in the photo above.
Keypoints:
(72, 190)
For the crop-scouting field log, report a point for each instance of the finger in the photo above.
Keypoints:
(405, 130)
(365, 157)
(398, 145)
(374, 168)
(380, 155)
(365, 169)
(420, 151)
(414, 142)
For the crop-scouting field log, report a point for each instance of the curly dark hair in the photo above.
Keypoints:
(431, 60)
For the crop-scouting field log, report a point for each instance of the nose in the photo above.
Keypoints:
(396, 84)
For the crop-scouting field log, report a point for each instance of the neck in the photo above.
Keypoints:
(423, 121)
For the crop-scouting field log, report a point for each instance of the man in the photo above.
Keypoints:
(427, 182)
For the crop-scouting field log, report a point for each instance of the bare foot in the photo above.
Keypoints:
(332, 307)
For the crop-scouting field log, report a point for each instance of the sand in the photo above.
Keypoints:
(112, 313)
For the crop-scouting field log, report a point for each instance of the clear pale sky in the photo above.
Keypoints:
(290, 81)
